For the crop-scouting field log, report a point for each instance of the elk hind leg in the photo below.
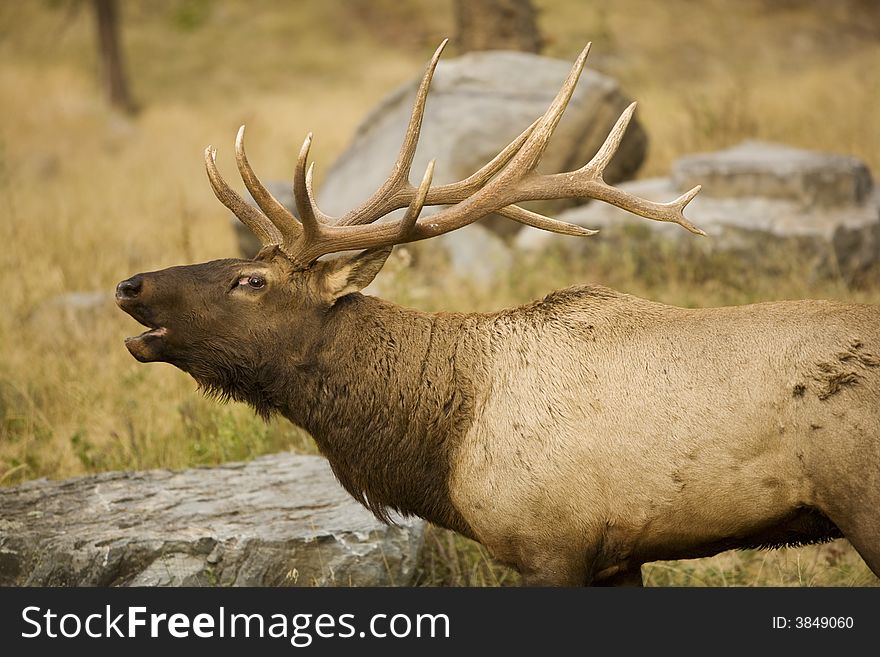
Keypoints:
(857, 514)
(863, 533)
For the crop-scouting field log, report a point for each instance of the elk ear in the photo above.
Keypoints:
(347, 274)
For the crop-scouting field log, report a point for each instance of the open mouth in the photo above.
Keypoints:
(149, 345)
(157, 332)
(143, 316)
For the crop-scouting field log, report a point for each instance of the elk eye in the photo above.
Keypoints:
(255, 282)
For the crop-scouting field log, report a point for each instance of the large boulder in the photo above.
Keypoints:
(478, 103)
(280, 520)
(756, 198)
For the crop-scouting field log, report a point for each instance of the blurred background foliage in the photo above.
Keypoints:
(90, 194)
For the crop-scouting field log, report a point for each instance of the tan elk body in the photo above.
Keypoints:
(577, 437)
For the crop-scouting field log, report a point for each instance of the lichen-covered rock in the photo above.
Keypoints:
(280, 520)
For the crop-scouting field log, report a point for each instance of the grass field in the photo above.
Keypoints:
(88, 197)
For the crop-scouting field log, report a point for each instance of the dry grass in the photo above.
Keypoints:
(88, 197)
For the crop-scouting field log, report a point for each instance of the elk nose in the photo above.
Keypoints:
(130, 288)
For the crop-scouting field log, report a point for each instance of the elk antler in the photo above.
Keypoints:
(508, 179)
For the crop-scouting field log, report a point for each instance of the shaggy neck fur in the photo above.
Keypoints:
(387, 393)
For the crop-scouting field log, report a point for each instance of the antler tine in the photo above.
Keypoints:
(587, 182)
(535, 220)
(458, 191)
(379, 204)
(400, 171)
(450, 192)
(330, 238)
(283, 220)
(264, 229)
(415, 207)
(311, 225)
(595, 170)
(530, 154)
(596, 166)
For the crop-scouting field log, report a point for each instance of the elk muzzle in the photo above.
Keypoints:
(149, 345)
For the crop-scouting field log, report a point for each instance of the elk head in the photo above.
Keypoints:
(224, 321)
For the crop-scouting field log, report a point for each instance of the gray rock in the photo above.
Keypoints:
(478, 103)
(79, 313)
(280, 520)
(774, 171)
(477, 255)
(782, 198)
(81, 301)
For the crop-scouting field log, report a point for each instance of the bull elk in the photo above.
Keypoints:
(576, 437)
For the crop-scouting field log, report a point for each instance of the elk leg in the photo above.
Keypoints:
(857, 515)
(869, 551)
(863, 533)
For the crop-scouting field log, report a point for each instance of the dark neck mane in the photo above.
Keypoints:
(387, 395)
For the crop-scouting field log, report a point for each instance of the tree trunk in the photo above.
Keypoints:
(111, 63)
(496, 25)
